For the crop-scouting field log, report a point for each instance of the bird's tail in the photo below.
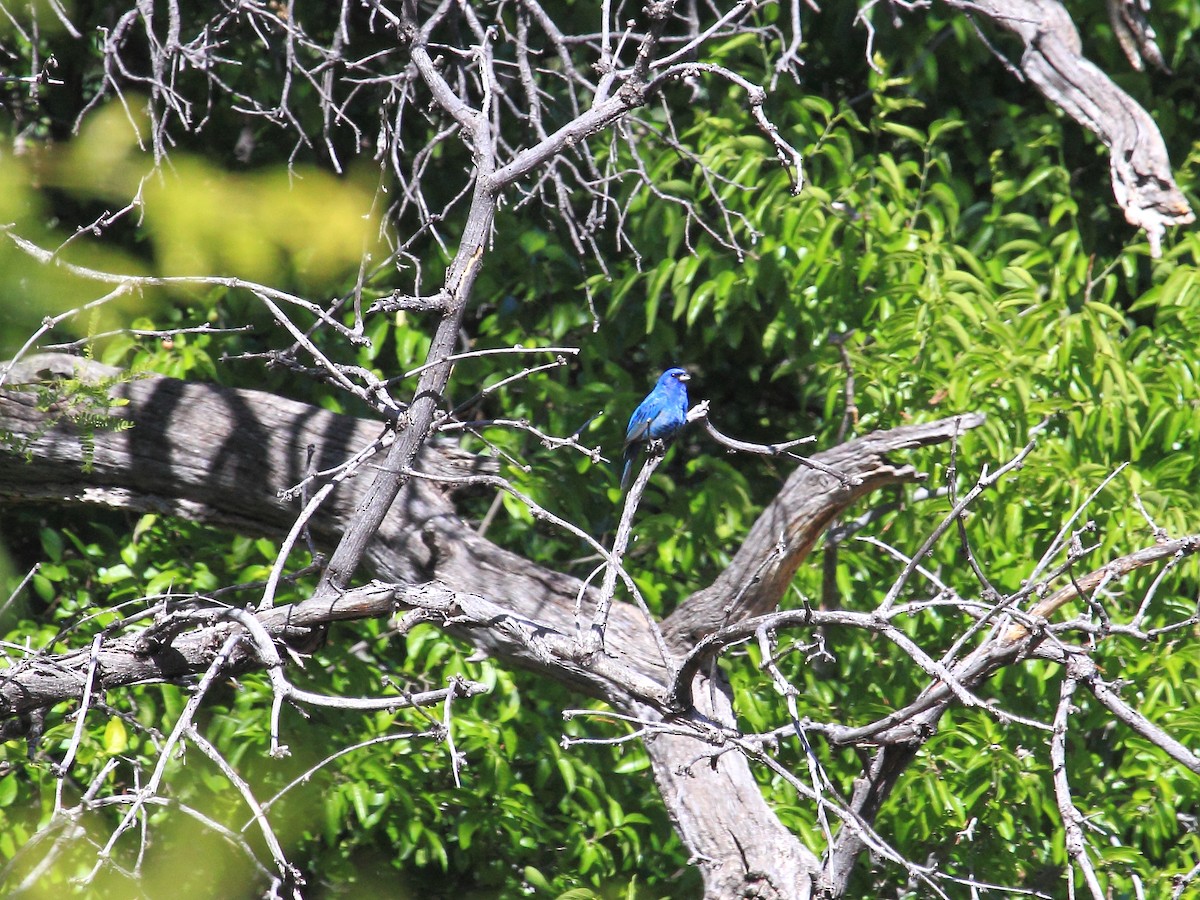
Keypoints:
(628, 458)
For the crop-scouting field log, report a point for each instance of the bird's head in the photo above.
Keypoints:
(675, 374)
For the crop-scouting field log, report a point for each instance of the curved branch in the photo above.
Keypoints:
(42, 681)
(785, 532)
(225, 457)
(789, 157)
(1117, 568)
(1053, 59)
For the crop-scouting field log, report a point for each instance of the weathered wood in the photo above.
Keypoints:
(1053, 60)
(786, 531)
(224, 457)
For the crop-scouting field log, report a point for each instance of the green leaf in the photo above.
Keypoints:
(116, 738)
(904, 131)
(8, 789)
(52, 543)
(536, 879)
(632, 763)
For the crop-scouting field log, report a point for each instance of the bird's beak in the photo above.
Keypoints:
(685, 377)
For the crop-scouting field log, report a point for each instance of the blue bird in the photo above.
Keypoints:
(657, 418)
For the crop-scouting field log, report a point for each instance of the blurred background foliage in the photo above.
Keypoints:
(956, 249)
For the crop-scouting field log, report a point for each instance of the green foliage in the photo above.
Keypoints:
(84, 405)
(383, 815)
(954, 300)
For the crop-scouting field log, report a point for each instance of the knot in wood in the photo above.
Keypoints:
(632, 94)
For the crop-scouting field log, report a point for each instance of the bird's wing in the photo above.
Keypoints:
(637, 430)
(643, 418)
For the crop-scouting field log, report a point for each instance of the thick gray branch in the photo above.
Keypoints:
(163, 654)
(223, 456)
(710, 791)
(1054, 61)
(787, 529)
